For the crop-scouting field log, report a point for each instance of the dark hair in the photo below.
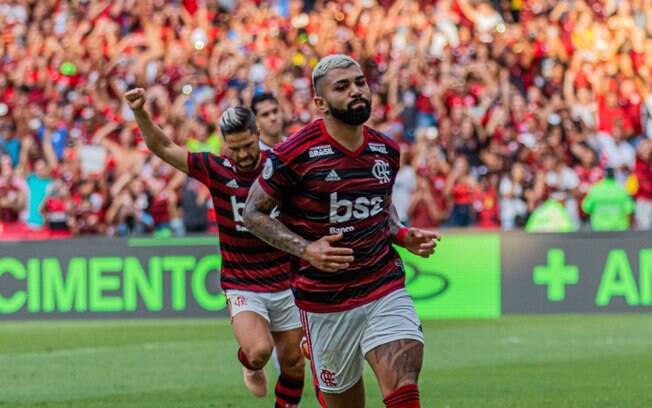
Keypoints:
(262, 97)
(237, 119)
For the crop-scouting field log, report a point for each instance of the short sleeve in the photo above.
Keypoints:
(198, 166)
(277, 178)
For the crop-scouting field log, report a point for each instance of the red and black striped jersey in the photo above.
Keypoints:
(247, 262)
(326, 189)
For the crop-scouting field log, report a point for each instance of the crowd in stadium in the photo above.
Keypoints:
(500, 108)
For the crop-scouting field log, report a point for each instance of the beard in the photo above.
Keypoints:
(352, 116)
(247, 164)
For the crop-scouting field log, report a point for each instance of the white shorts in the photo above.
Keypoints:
(277, 308)
(339, 341)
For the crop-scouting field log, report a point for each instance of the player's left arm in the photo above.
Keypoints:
(418, 241)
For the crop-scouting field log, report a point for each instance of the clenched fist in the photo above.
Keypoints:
(135, 99)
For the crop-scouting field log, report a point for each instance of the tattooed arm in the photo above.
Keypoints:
(318, 253)
(258, 221)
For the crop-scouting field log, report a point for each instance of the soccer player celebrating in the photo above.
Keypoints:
(334, 180)
(254, 276)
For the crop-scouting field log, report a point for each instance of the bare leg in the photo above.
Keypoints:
(289, 387)
(396, 364)
(289, 352)
(253, 335)
(352, 398)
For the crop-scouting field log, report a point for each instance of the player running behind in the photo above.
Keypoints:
(269, 119)
(254, 275)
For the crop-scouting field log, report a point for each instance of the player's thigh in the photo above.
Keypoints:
(393, 341)
(283, 313)
(252, 334)
(352, 398)
(334, 340)
(250, 321)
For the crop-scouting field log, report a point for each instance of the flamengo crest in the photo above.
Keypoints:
(381, 171)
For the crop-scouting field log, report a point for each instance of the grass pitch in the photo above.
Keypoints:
(517, 361)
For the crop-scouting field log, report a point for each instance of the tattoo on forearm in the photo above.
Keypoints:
(402, 357)
(274, 232)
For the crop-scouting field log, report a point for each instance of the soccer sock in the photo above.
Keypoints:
(405, 397)
(288, 390)
(244, 361)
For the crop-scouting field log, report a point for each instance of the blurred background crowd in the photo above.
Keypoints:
(531, 114)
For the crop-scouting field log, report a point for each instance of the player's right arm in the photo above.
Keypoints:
(157, 141)
(319, 254)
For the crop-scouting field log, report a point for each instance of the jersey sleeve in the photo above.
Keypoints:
(277, 177)
(198, 167)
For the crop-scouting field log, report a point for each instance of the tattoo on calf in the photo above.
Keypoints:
(403, 358)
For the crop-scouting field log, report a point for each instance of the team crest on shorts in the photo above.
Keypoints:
(240, 300)
(327, 377)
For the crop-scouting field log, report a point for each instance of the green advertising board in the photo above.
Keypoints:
(461, 280)
(179, 278)
(471, 275)
(111, 278)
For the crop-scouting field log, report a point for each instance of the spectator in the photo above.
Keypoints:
(203, 140)
(486, 203)
(423, 212)
(497, 85)
(462, 187)
(551, 216)
(643, 174)
(195, 205)
(618, 153)
(608, 205)
(404, 186)
(129, 212)
(88, 210)
(56, 208)
(38, 180)
(9, 141)
(561, 185)
(513, 206)
(588, 172)
(12, 192)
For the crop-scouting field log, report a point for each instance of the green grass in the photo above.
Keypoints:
(521, 361)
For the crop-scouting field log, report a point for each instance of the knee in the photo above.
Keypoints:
(258, 354)
(292, 362)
